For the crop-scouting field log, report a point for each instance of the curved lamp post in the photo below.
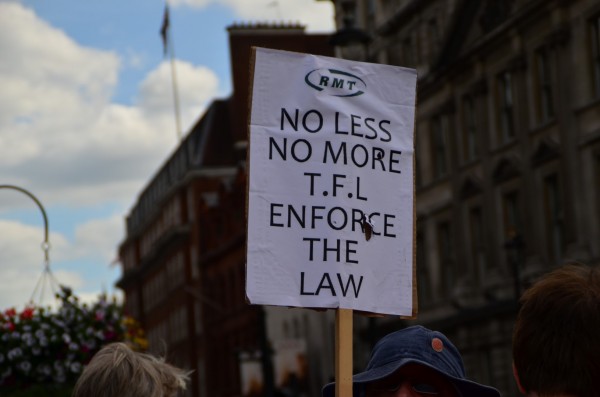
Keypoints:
(45, 247)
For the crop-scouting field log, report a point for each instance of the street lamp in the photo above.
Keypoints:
(514, 247)
(350, 42)
(46, 273)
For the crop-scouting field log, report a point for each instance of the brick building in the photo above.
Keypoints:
(183, 257)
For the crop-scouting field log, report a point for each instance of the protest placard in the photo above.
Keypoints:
(331, 184)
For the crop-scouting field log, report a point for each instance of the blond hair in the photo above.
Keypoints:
(118, 371)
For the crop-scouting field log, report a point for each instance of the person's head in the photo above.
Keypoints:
(556, 341)
(416, 362)
(118, 371)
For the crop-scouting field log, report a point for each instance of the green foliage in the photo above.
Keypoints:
(44, 390)
(42, 352)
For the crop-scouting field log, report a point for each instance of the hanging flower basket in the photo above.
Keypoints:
(42, 348)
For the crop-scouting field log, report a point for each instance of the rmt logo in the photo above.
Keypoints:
(335, 82)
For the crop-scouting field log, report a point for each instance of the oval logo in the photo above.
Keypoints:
(335, 82)
(437, 344)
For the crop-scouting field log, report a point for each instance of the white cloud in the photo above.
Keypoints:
(195, 86)
(49, 84)
(99, 239)
(316, 15)
(92, 297)
(60, 133)
(22, 263)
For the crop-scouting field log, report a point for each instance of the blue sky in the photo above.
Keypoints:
(86, 119)
(199, 35)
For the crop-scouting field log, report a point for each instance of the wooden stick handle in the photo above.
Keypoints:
(343, 353)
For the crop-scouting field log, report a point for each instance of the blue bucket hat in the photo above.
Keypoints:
(417, 345)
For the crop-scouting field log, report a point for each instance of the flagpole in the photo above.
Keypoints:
(166, 31)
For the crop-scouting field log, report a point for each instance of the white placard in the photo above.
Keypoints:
(331, 154)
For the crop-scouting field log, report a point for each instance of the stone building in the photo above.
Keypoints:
(507, 152)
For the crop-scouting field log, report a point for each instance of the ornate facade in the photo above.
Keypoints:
(507, 152)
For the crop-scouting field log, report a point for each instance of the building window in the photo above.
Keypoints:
(297, 331)
(470, 143)
(597, 169)
(198, 318)
(545, 97)
(506, 107)
(394, 56)
(511, 214)
(476, 231)
(423, 277)
(595, 43)
(439, 145)
(178, 325)
(513, 230)
(485, 365)
(128, 258)
(418, 163)
(446, 253)
(554, 216)
(132, 304)
(175, 271)
(434, 36)
(408, 52)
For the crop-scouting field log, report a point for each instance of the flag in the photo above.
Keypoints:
(164, 29)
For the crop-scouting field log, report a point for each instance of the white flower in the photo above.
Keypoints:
(44, 369)
(25, 366)
(14, 353)
(76, 367)
(66, 337)
(7, 372)
(27, 338)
